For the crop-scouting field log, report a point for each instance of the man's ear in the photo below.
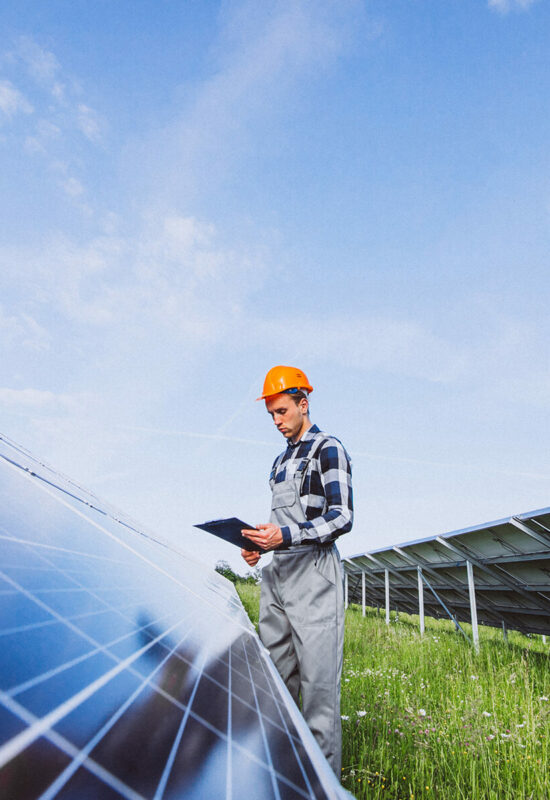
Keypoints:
(304, 405)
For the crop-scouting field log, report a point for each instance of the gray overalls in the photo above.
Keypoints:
(302, 617)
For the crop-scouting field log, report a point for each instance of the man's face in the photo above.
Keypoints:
(290, 419)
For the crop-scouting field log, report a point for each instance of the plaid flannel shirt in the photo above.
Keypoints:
(326, 494)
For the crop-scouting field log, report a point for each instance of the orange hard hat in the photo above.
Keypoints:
(284, 379)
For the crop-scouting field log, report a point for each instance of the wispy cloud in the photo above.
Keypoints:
(505, 6)
(262, 55)
(40, 400)
(177, 277)
(47, 114)
(12, 100)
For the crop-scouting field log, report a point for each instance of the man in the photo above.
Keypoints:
(301, 601)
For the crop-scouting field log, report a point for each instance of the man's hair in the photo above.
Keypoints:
(297, 396)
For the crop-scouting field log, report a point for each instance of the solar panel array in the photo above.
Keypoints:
(510, 560)
(126, 668)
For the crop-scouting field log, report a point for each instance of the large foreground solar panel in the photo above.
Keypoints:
(510, 563)
(127, 670)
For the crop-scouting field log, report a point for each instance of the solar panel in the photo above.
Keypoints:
(509, 561)
(126, 668)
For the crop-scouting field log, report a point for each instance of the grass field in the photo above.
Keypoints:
(427, 717)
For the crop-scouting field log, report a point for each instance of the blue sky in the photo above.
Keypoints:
(196, 191)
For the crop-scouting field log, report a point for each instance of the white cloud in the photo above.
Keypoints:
(88, 122)
(12, 101)
(39, 400)
(63, 125)
(41, 64)
(505, 6)
(263, 53)
(73, 187)
(22, 330)
(176, 275)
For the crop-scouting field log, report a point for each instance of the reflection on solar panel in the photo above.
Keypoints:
(128, 670)
(499, 571)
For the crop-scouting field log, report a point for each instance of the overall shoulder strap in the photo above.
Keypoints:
(306, 461)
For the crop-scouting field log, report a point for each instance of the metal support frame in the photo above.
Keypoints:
(451, 616)
(363, 593)
(421, 601)
(504, 631)
(473, 607)
(456, 587)
(346, 590)
(387, 586)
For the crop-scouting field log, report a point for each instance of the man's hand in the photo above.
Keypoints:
(266, 536)
(251, 557)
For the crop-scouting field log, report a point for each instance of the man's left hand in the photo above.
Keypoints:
(267, 536)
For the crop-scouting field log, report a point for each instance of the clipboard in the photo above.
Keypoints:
(230, 531)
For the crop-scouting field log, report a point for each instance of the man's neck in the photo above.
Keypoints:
(305, 427)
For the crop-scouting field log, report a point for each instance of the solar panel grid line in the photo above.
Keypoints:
(45, 676)
(290, 737)
(135, 552)
(266, 745)
(229, 755)
(117, 517)
(46, 546)
(25, 738)
(244, 702)
(170, 762)
(322, 769)
(83, 754)
(77, 630)
(70, 750)
(90, 592)
(46, 623)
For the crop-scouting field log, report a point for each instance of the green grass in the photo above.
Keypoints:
(427, 717)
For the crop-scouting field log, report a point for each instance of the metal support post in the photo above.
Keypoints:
(544, 638)
(504, 631)
(363, 593)
(346, 586)
(387, 580)
(421, 601)
(473, 607)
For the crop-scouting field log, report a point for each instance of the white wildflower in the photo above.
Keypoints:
(486, 713)
(505, 735)
(361, 713)
(521, 725)
(422, 712)
(543, 698)
(345, 716)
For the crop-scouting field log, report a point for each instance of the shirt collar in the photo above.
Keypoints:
(309, 434)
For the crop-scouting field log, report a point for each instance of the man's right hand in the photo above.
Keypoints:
(251, 557)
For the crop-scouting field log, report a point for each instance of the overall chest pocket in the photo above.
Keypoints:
(284, 498)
